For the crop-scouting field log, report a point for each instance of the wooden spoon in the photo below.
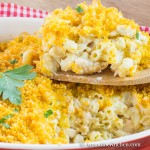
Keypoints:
(104, 78)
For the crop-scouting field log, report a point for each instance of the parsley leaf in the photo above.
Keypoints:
(13, 61)
(79, 9)
(137, 35)
(8, 116)
(7, 126)
(22, 73)
(48, 113)
(2, 120)
(16, 110)
(11, 80)
(5, 118)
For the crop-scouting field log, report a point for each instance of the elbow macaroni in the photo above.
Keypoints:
(84, 44)
(81, 112)
(92, 39)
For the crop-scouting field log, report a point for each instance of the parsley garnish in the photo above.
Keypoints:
(7, 126)
(2, 120)
(48, 113)
(8, 116)
(11, 80)
(21, 54)
(5, 118)
(137, 35)
(16, 110)
(79, 9)
(13, 61)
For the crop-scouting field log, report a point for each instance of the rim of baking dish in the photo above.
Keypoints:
(125, 139)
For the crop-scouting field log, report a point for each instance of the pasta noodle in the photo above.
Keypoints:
(78, 112)
(109, 40)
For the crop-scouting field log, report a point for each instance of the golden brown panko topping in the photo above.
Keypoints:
(57, 112)
(90, 38)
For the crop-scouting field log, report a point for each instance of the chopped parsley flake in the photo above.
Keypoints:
(48, 113)
(2, 120)
(137, 35)
(7, 126)
(5, 118)
(8, 116)
(16, 110)
(13, 61)
(79, 9)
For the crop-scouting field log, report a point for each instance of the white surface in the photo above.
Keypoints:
(11, 27)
